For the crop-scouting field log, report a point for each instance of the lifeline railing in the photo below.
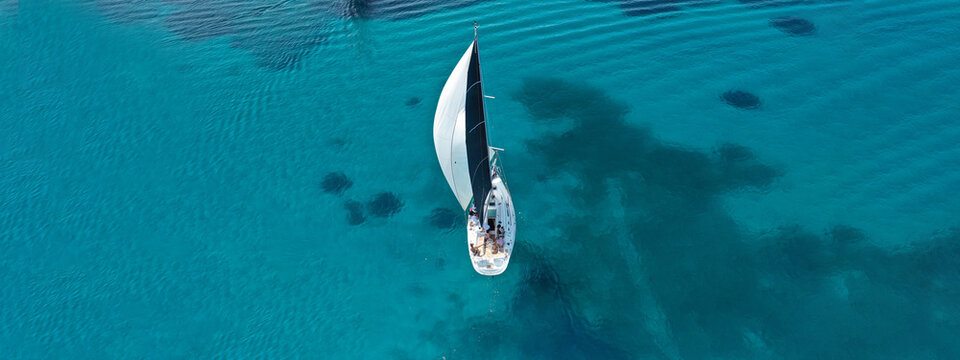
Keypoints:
(495, 164)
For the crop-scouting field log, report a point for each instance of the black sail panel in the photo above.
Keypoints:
(478, 157)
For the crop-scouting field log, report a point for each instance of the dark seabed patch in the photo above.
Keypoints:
(337, 142)
(738, 165)
(551, 101)
(384, 204)
(124, 10)
(722, 292)
(391, 9)
(354, 212)
(609, 148)
(280, 35)
(656, 7)
(539, 324)
(731, 153)
(444, 218)
(664, 7)
(793, 25)
(412, 101)
(280, 48)
(336, 183)
(201, 20)
(769, 3)
(741, 99)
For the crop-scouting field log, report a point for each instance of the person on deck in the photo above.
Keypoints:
(474, 221)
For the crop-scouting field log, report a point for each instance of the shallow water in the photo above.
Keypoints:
(197, 179)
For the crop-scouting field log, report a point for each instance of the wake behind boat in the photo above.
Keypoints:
(472, 168)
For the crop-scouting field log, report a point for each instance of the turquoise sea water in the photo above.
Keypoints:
(165, 187)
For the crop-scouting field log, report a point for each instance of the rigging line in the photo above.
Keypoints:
(468, 90)
(478, 168)
(475, 127)
(472, 85)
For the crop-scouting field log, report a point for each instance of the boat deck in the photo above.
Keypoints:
(493, 259)
(488, 249)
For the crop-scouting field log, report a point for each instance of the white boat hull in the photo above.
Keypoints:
(493, 259)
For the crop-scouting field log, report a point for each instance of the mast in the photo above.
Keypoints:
(478, 156)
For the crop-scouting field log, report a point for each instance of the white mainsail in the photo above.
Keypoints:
(449, 131)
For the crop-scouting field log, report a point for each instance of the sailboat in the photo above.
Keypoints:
(472, 166)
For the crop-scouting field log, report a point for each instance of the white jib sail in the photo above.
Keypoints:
(449, 131)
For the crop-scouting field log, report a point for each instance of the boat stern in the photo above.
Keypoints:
(489, 260)
(490, 267)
